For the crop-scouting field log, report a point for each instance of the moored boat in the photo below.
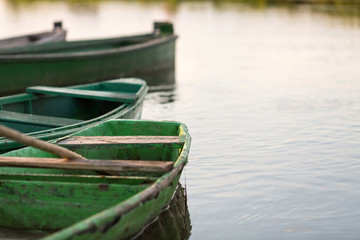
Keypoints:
(81, 204)
(77, 62)
(52, 112)
(58, 34)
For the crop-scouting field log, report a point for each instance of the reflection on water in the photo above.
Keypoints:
(173, 223)
(163, 78)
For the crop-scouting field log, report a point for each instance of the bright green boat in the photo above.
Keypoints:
(81, 204)
(77, 62)
(58, 34)
(51, 112)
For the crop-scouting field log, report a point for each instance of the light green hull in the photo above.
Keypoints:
(88, 206)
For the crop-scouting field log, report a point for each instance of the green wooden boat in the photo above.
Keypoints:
(56, 35)
(52, 112)
(77, 62)
(81, 204)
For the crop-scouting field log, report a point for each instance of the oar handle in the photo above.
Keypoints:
(36, 143)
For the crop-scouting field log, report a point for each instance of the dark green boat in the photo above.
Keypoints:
(81, 204)
(77, 62)
(58, 34)
(52, 112)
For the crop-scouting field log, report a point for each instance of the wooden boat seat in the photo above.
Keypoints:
(37, 119)
(86, 164)
(163, 141)
(78, 93)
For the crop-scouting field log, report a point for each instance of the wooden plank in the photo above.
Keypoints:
(117, 140)
(88, 94)
(96, 165)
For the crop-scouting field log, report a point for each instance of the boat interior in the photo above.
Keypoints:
(43, 108)
(51, 199)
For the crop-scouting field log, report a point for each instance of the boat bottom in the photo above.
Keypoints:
(55, 202)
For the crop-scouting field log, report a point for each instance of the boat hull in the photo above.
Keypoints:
(51, 199)
(122, 225)
(61, 69)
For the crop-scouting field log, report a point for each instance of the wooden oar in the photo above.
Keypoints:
(72, 160)
(36, 143)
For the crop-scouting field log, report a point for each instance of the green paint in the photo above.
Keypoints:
(88, 94)
(55, 205)
(53, 116)
(68, 63)
(92, 206)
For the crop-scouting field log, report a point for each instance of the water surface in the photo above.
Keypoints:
(271, 96)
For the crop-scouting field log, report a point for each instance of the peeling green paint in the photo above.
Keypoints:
(81, 206)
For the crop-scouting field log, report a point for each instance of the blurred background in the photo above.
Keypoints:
(270, 92)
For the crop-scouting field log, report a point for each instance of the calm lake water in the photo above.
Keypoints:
(271, 96)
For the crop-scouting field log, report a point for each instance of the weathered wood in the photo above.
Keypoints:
(100, 140)
(96, 165)
(99, 95)
(33, 142)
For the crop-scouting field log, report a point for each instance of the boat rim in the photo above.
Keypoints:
(94, 53)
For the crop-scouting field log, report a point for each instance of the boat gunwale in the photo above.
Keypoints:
(40, 34)
(92, 54)
(153, 179)
(53, 46)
